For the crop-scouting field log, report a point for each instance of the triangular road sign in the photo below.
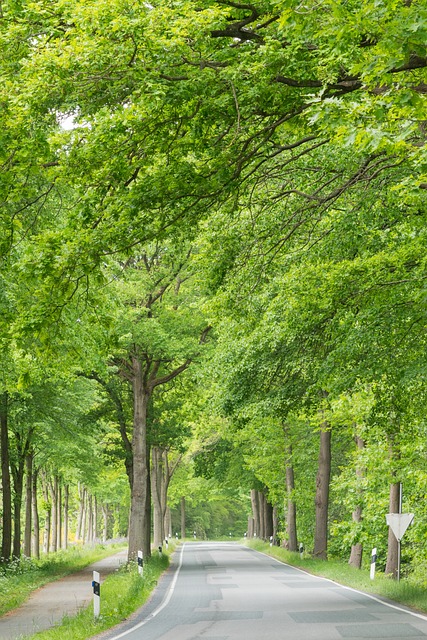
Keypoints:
(399, 522)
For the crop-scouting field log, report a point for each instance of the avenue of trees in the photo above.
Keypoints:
(213, 273)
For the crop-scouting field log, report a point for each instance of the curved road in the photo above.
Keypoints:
(223, 591)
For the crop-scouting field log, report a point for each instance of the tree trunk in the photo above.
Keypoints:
(54, 499)
(48, 507)
(18, 485)
(28, 504)
(357, 547)
(82, 495)
(59, 504)
(255, 512)
(137, 524)
(322, 494)
(291, 510)
(182, 517)
(268, 520)
(6, 546)
(168, 523)
(90, 520)
(251, 527)
(66, 514)
(105, 522)
(392, 549)
(157, 480)
(36, 523)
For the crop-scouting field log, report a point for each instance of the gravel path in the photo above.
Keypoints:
(48, 605)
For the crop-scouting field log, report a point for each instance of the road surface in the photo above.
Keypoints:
(223, 591)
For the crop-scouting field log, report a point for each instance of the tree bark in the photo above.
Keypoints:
(35, 511)
(159, 479)
(82, 496)
(392, 549)
(48, 507)
(54, 500)
(291, 508)
(28, 504)
(322, 494)
(66, 514)
(6, 546)
(182, 517)
(356, 553)
(137, 524)
(255, 512)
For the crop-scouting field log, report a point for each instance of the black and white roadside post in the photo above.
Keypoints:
(96, 584)
(301, 549)
(399, 522)
(373, 562)
(167, 543)
(160, 550)
(271, 541)
(140, 563)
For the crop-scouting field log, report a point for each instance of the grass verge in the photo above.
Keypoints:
(19, 578)
(121, 594)
(405, 592)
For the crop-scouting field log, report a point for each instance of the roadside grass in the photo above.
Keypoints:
(121, 594)
(406, 592)
(20, 577)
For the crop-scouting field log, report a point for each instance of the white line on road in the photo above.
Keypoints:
(159, 608)
(363, 593)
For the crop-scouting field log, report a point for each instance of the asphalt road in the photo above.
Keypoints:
(223, 591)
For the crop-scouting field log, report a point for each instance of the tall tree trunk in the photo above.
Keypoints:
(322, 494)
(59, 514)
(168, 523)
(256, 512)
(392, 549)
(268, 520)
(291, 508)
(18, 485)
(6, 545)
(183, 532)
(251, 527)
(357, 547)
(66, 514)
(105, 522)
(158, 480)
(82, 496)
(48, 508)
(54, 499)
(36, 522)
(28, 504)
(90, 520)
(137, 524)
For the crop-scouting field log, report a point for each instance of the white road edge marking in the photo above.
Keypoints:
(363, 593)
(160, 607)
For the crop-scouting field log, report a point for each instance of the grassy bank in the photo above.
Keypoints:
(405, 592)
(122, 593)
(20, 577)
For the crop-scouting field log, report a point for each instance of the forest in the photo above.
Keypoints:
(213, 283)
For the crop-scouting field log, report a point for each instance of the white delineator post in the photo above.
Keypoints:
(373, 562)
(140, 563)
(96, 584)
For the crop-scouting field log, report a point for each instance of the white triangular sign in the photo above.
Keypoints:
(399, 522)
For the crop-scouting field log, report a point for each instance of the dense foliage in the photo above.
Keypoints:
(213, 270)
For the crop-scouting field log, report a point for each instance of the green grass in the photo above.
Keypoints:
(121, 594)
(406, 592)
(19, 578)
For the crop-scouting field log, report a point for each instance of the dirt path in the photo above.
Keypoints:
(47, 606)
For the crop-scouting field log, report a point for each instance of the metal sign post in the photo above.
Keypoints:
(399, 522)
